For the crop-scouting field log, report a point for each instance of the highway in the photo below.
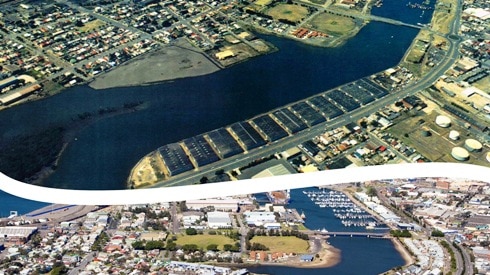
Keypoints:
(240, 160)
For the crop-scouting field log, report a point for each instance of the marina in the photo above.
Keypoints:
(349, 213)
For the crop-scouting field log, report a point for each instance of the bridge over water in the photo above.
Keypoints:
(369, 17)
(348, 234)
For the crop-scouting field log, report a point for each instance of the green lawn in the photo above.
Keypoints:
(282, 244)
(202, 241)
(293, 13)
(330, 23)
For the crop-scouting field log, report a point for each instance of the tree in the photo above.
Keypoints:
(212, 247)
(191, 231)
(171, 245)
(190, 247)
(371, 192)
(138, 245)
(150, 245)
(437, 233)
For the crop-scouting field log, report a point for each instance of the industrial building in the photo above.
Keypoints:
(200, 150)
(243, 136)
(259, 218)
(225, 144)
(15, 235)
(227, 204)
(11, 98)
(175, 159)
(219, 220)
(306, 112)
(269, 128)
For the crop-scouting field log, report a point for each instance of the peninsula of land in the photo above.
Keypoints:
(171, 62)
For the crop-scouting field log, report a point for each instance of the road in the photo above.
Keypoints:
(85, 261)
(175, 219)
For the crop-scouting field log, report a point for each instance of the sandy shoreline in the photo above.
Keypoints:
(403, 252)
(179, 60)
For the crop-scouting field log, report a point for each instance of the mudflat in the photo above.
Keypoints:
(178, 60)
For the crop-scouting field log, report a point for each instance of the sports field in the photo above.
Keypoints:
(202, 241)
(333, 24)
(293, 13)
(262, 3)
(282, 244)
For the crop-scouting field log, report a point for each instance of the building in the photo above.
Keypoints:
(225, 54)
(10, 98)
(218, 220)
(259, 218)
(15, 235)
(306, 258)
(217, 204)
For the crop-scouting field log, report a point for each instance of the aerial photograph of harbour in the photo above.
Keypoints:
(126, 94)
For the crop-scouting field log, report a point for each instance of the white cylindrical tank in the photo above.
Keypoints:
(454, 135)
(459, 153)
(472, 145)
(443, 121)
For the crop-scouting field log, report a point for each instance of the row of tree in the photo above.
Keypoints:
(277, 233)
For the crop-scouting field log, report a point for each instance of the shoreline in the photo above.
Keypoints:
(169, 63)
(69, 134)
(403, 252)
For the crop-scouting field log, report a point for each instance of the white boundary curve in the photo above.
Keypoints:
(213, 190)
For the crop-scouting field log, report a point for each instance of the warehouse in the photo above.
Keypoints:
(219, 220)
(14, 235)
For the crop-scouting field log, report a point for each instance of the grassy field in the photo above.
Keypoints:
(262, 3)
(443, 15)
(293, 13)
(282, 244)
(483, 84)
(204, 240)
(88, 27)
(417, 52)
(330, 23)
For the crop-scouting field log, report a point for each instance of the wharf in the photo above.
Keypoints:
(60, 212)
(267, 128)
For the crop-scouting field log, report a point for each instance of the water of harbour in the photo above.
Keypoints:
(359, 255)
(417, 11)
(12, 203)
(104, 152)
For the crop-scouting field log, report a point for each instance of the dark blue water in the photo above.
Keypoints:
(359, 255)
(104, 152)
(12, 203)
(398, 10)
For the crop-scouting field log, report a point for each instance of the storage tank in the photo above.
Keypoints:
(443, 121)
(459, 153)
(472, 145)
(426, 132)
(454, 135)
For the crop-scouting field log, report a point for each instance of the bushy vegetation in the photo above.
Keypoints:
(401, 233)
(437, 233)
(451, 253)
